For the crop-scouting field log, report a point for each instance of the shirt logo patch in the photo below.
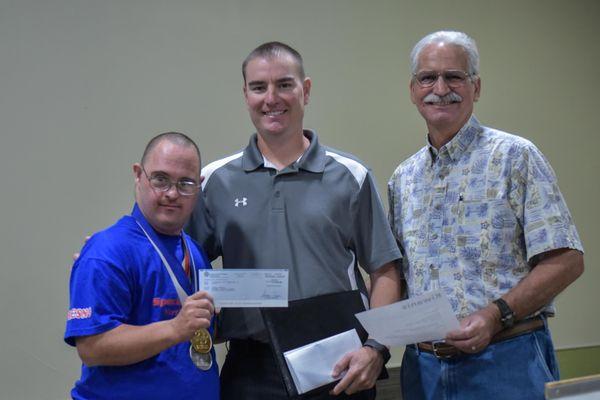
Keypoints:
(79, 313)
(158, 302)
(243, 202)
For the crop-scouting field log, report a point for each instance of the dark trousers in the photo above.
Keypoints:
(250, 372)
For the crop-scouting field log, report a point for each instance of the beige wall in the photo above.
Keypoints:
(83, 85)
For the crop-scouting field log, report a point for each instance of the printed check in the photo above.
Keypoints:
(246, 287)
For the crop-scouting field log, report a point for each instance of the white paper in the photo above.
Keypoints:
(311, 365)
(246, 287)
(418, 319)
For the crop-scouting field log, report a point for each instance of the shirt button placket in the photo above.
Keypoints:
(277, 197)
(437, 204)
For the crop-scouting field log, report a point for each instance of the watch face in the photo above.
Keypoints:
(507, 316)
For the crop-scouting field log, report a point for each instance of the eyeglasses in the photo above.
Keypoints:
(453, 77)
(162, 183)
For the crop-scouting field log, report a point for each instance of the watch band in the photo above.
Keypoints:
(380, 348)
(507, 315)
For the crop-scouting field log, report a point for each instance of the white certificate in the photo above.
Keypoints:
(246, 287)
(418, 319)
(311, 366)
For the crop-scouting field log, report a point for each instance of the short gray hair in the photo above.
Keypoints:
(452, 37)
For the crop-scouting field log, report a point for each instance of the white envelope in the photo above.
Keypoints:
(311, 365)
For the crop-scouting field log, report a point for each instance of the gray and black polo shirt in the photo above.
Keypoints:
(319, 217)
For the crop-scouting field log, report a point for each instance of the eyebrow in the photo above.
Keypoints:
(184, 178)
(281, 80)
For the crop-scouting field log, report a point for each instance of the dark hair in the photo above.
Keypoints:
(274, 49)
(177, 138)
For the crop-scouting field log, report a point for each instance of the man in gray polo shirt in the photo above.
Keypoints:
(288, 202)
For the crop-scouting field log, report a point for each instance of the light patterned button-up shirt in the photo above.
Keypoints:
(472, 217)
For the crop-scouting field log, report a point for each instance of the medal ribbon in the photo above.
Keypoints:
(181, 292)
(186, 258)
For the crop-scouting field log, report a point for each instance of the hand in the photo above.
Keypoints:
(476, 330)
(196, 313)
(75, 256)
(362, 368)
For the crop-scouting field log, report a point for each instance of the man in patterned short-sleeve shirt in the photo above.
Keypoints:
(478, 214)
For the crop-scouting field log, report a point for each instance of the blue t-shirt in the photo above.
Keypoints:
(119, 278)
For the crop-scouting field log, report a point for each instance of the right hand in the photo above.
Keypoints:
(75, 256)
(195, 314)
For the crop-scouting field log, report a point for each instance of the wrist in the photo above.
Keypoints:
(379, 348)
(507, 315)
(175, 333)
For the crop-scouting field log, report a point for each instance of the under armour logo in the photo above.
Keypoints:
(243, 202)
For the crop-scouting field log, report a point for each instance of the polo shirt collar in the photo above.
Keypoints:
(312, 160)
(455, 148)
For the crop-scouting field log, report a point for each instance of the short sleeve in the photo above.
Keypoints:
(100, 298)
(374, 241)
(540, 206)
(201, 228)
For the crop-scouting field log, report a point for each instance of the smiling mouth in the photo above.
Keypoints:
(442, 103)
(274, 113)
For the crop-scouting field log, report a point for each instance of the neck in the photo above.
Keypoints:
(438, 140)
(167, 232)
(440, 135)
(282, 151)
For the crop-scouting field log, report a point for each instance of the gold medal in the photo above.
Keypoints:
(201, 341)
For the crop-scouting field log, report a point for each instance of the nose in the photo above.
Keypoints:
(172, 193)
(271, 95)
(440, 87)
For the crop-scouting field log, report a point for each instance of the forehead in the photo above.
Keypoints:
(173, 158)
(439, 56)
(272, 67)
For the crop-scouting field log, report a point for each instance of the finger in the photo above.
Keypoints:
(203, 314)
(343, 383)
(201, 294)
(458, 334)
(200, 323)
(203, 303)
(341, 365)
(466, 346)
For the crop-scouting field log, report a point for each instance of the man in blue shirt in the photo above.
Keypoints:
(479, 214)
(140, 327)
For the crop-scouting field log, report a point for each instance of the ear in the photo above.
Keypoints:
(137, 172)
(245, 91)
(412, 88)
(306, 86)
(477, 85)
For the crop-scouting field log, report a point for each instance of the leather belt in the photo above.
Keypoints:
(444, 351)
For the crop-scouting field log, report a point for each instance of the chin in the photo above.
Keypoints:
(169, 226)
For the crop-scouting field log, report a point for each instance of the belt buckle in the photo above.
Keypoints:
(434, 346)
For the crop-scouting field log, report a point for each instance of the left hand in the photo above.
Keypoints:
(362, 368)
(476, 330)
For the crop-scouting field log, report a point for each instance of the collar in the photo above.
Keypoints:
(313, 159)
(455, 148)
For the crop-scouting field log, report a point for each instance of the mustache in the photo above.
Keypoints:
(450, 98)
